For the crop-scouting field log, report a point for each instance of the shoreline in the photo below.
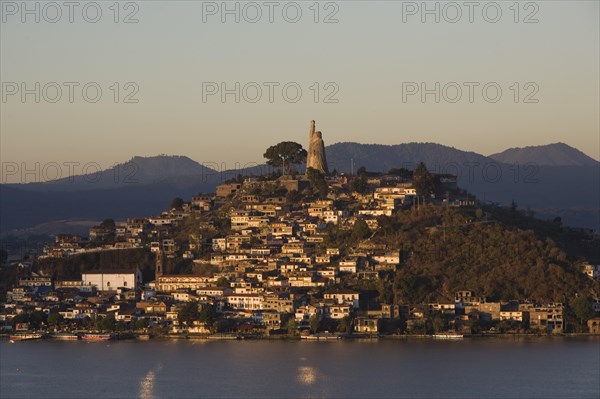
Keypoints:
(311, 338)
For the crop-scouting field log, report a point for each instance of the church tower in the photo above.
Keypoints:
(160, 264)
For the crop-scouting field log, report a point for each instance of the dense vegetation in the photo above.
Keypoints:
(73, 266)
(449, 250)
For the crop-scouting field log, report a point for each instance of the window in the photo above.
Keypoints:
(124, 283)
(108, 283)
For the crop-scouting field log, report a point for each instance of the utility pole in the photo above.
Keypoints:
(283, 163)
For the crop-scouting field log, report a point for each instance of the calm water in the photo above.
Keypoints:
(499, 368)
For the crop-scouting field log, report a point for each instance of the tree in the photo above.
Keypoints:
(19, 319)
(87, 322)
(37, 318)
(345, 325)
(583, 309)
(177, 203)
(107, 323)
(557, 221)
(402, 172)
(222, 282)
(293, 197)
(439, 323)
(207, 316)
(54, 319)
(423, 180)
(474, 325)
(292, 326)
(141, 324)
(360, 230)
(317, 182)
(360, 184)
(285, 154)
(314, 324)
(188, 313)
(108, 224)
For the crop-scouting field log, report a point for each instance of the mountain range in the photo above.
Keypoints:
(557, 154)
(552, 180)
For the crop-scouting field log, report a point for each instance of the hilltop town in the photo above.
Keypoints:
(312, 254)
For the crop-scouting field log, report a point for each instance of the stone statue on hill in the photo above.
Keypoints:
(316, 151)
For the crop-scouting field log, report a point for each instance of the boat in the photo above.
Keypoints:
(224, 336)
(65, 336)
(321, 337)
(25, 337)
(97, 337)
(447, 336)
(143, 337)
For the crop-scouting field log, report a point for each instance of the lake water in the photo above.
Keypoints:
(471, 368)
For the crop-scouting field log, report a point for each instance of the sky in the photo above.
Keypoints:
(103, 81)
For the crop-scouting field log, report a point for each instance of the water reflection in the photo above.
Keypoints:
(147, 384)
(307, 375)
(479, 368)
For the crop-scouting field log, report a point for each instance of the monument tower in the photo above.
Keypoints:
(316, 151)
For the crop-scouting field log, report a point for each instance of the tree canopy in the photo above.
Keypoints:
(582, 307)
(423, 180)
(108, 224)
(360, 183)
(177, 203)
(285, 154)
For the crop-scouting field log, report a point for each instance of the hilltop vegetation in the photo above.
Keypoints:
(449, 251)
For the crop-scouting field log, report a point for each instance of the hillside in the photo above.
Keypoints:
(449, 251)
(557, 154)
(504, 256)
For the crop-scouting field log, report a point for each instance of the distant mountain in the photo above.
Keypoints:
(569, 191)
(557, 154)
(146, 185)
(140, 187)
(378, 157)
(138, 171)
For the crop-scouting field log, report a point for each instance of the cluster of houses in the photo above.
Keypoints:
(247, 304)
(272, 268)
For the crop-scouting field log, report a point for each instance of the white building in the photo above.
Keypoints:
(343, 297)
(110, 280)
(244, 301)
(389, 258)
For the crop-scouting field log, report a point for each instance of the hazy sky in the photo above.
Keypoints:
(372, 60)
